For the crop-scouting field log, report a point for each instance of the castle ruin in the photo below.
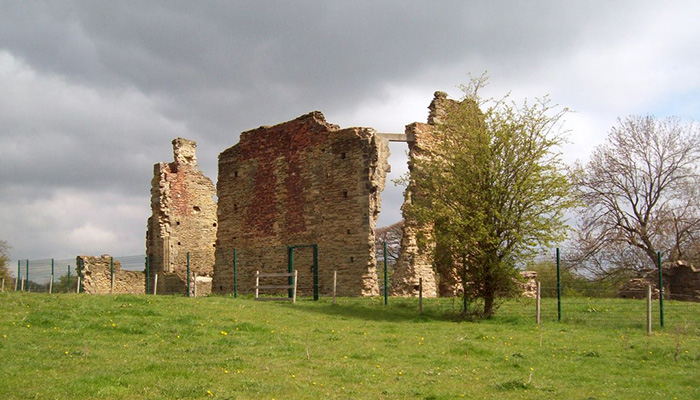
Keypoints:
(183, 222)
(301, 182)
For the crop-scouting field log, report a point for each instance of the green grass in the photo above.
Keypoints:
(145, 347)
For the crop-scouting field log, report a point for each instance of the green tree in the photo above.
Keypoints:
(66, 283)
(494, 188)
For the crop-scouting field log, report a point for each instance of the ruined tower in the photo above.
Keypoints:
(300, 182)
(183, 221)
(416, 259)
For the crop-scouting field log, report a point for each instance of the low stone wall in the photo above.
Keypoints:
(96, 277)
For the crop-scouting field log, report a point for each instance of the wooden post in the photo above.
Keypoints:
(23, 284)
(16, 283)
(195, 285)
(294, 298)
(77, 285)
(420, 296)
(155, 285)
(335, 281)
(538, 307)
(648, 309)
(257, 283)
(51, 285)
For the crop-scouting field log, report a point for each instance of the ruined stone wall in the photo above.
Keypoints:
(96, 277)
(417, 243)
(681, 281)
(304, 181)
(183, 220)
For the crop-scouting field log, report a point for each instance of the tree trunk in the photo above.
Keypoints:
(489, 299)
(488, 306)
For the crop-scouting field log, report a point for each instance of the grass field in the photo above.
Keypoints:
(145, 347)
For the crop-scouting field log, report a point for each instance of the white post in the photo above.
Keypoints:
(51, 285)
(257, 283)
(538, 307)
(648, 309)
(195, 285)
(294, 298)
(335, 281)
(77, 285)
(23, 284)
(155, 285)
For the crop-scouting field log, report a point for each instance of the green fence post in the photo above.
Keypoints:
(188, 274)
(661, 290)
(111, 274)
(558, 286)
(464, 282)
(148, 274)
(52, 270)
(315, 252)
(27, 278)
(235, 273)
(19, 276)
(386, 278)
(290, 269)
(68, 288)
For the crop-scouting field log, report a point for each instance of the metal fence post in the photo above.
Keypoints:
(68, 289)
(648, 309)
(51, 281)
(290, 269)
(235, 273)
(558, 286)
(111, 275)
(661, 290)
(188, 274)
(315, 253)
(19, 275)
(148, 274)
(386, 277)
(29, 286)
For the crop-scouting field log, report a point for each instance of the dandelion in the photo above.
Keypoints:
(293, 376)
(224, 333)
(225, 371)
(5, 337)
(29, 325)
(209, 393)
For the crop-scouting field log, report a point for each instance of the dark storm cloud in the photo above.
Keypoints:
(91, 93)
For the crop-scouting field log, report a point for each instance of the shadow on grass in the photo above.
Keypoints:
(396, 311)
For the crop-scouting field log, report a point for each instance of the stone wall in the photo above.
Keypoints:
(417, 244)
(681, 281)
(303, 181)
(183, 221)
(96, 276)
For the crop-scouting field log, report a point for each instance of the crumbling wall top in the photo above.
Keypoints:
(185, 151)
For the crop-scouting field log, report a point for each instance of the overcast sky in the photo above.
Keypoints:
(93, 92)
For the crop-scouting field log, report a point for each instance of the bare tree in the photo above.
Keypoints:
(639, 195)
(392, 236)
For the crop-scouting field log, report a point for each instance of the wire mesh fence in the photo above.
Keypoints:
(564, 297)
